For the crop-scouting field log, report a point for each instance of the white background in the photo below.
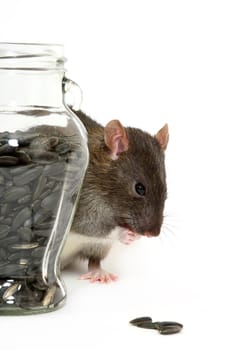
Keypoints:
(147, 63)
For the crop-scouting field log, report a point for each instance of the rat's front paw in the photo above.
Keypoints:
(99, 275)
(127, 236)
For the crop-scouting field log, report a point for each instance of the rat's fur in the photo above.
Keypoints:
(108, 201)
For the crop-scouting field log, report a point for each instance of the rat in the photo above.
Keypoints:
(122, 196)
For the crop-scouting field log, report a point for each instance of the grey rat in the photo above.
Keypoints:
(122, 196)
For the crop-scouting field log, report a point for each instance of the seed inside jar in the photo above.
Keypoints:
(33, 186)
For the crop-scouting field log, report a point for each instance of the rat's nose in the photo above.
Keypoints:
(148, 234)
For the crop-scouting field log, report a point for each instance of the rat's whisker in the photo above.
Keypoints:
(169, 227)
(161, 238)
(172, 225)
(169, 222)
(164, 236)
(167, 232)
(172, 218)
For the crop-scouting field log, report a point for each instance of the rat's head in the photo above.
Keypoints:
(134, 179)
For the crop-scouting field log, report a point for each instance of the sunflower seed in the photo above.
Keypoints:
(53, 141)
(38, 252)
(5, 173)
(51, 201)
(25, 234)
(15, 193)
(8, 160)
(11, 270)
(44, 225)
(165, 328)
(40, 186)
(41, 216)
(4, 230)
(20, 254)
(2, 180)
(51, 184)
(63, 148)
(28, 223)
(6, 149)
(23, 157)
(1, 190)
(169, 328)
(11, 290)
(43, 157)
(49, 296)
(25, 140)
(25, 245)
(147, 325)
(20, 169)
(22, 216)
(25, 199)
(54, 169)
(6, 221)
(8, 241)
(138, 320)
(27, 177)
(23, 261)
(46, 193)
(42, 233)
(3, 254)
(32, 177)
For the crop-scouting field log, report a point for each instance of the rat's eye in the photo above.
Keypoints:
(140, 189)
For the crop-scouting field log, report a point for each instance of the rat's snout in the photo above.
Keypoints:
(148, 234)
(153, 227)
(151, 234)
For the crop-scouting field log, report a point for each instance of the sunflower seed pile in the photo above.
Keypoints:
(39, 177)
(165, 327)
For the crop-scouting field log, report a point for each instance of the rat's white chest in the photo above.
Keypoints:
(77, 243)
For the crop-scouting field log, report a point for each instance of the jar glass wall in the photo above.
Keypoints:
(43, 159)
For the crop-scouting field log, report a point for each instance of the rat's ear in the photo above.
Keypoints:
(162, 137)
(115, 138)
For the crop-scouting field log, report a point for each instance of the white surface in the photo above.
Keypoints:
(146, 63)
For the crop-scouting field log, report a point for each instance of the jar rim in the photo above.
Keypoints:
(31, 56)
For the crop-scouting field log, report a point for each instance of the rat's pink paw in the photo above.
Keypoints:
(127, 236)
(99, 275)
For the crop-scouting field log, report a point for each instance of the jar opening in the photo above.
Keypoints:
(31, 56)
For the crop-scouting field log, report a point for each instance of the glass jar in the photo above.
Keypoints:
(43, 159)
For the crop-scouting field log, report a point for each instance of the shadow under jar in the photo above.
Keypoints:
(43, 159)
